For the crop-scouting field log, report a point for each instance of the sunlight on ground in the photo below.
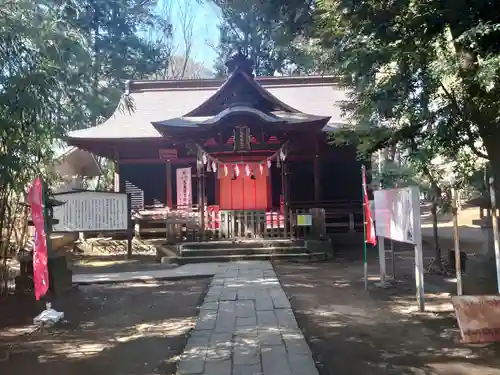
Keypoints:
(103, 263)
(171, 327)
(11, 332)
(85, 349)
(463, 368)
(434, 303)
(341, 311)
(465, 218)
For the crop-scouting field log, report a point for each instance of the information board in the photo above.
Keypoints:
(304, 220)
(92, 211)
(397, 217)
(397, 213)
(478, 318)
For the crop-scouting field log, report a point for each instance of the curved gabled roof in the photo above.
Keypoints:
(250, 83)
(281, 119)
(158, 100)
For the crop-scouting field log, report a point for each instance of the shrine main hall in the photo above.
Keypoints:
(243, 143)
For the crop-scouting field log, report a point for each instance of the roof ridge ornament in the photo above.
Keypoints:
(239, 61)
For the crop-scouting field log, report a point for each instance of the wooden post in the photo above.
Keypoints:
(116, 178)
(494, 222)
(130, 227)
(317, 174)
(284, 172)
(201, 195)
(456, 241)
(169, 183)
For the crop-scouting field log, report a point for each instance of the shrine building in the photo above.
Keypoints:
(241, 144)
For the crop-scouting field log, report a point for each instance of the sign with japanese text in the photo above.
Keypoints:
(184, 193)
(478, 318)
(85, 211)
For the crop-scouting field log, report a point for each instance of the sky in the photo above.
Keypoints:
(205, 31)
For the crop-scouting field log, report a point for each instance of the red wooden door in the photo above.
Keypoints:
(243, 192)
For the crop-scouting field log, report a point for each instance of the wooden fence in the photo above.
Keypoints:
(243, 224)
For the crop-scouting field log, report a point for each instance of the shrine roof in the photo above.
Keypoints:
(156, 101)
(202, 122)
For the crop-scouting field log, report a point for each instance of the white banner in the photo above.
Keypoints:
(184, 193)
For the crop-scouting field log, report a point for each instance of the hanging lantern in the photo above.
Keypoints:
(214, 166)
(204, 158)
(209, 169)
(269, 163)
(261, 168)
(247, 170)
(236, 170)
(225, 170)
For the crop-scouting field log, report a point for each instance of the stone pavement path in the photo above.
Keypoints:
(246, 327)
(187, 270)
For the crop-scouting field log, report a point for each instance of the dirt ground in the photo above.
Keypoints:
(353, 332)
(119, 329)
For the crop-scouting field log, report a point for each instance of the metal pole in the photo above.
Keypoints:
(494, 222)
(456, 241)
(379, 167)
(365, 255)
(393, 261)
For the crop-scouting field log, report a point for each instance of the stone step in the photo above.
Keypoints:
(241, 244)
(189, 252)
(232, 258)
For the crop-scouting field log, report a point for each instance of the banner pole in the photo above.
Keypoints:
(365, 257)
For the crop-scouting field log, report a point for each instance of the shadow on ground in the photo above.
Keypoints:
(354, 332)
(129, 328)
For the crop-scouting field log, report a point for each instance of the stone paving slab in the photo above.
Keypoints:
(187, 270)
(246, 327)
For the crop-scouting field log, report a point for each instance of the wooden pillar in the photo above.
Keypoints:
(169, 184)
(286, 203)
(216, 188)
(116, 178)
(317, 173)
(200, 174)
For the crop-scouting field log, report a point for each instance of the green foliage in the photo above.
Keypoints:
(422, 73)
(265, 31)
(63, 64)
(113, 29)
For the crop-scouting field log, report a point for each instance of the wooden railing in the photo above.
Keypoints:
(179, 222)
(341, 216)
(244, 224)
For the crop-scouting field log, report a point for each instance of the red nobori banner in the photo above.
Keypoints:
(40, 267)
(478, 318)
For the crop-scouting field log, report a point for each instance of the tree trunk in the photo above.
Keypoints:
(491, 138)
(435, 234)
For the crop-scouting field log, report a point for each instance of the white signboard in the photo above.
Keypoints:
(91, 211)
(397, 217)
(397, 213)
(184, 196)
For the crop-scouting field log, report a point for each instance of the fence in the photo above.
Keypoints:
(244, 224)
(341, 216)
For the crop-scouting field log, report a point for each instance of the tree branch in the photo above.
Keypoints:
(460, 113)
